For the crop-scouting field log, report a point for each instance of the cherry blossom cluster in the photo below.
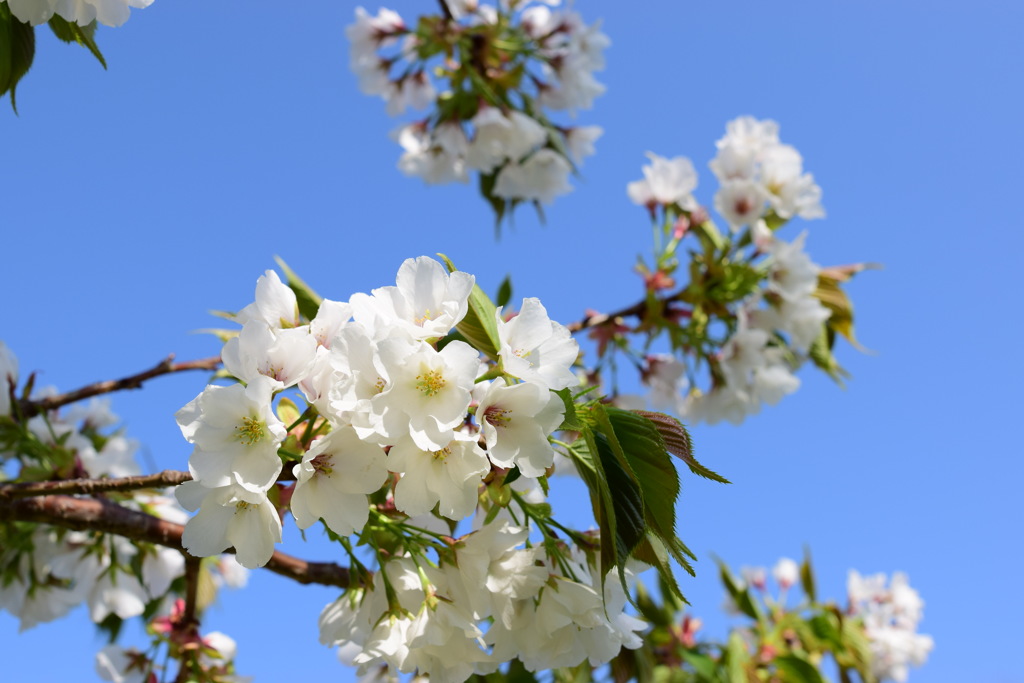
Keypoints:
(395, 406)
(81, 12)
(891, 615)
(544, 611)
(502, 69)
(406, 425)
(752, 310)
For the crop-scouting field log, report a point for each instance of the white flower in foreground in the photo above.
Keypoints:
(426, 301)
(427, 392)
(236, 435)
(275, 303)
(448, 477)
(333, 479)
(542, 177)
(229, 516)
(536, 349)
(286, 355)
(665, 181)
(515, 421)
(81, 12)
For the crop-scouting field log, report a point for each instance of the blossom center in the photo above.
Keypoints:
(430, 382)
(250, 431)
(442, 454)
(497, 416)
(322, 464)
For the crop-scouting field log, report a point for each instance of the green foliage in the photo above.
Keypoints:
(17, 50)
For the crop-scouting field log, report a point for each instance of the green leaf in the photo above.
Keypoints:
(17, 50)
(71, 32)
(741, 596)
(701, 663)
(504, 292)
(677, 442)
(480, 326)
(796, 669)
(570, 421)
(308, 300)
(821, 355)
(807, 577)
(736, 656)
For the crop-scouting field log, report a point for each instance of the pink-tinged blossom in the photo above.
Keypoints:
(515, 421)
(536, 349)
(786, 573)
(333, 480)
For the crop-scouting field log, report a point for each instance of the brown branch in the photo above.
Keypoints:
(164, 367)
(636, 310)
(92, 486)
(83, 514)
(189, 623)
(446, 10)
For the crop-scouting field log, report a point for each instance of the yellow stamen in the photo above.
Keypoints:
(430, 382)
(250, 431)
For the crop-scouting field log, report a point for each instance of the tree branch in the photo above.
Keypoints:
(83, 514)
(446, 10)
(636, 310)
(164, 367)
(92, 486)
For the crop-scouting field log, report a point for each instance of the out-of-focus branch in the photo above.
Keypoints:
(636, 310)
(446, 10)
(82, 514)
(164, 367)
(91, 486)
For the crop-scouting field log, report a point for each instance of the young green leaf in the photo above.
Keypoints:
(308, 300)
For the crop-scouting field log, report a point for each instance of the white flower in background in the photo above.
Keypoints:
(333, 480)
(369, 32)
(426, 303)
(740, 201)
(665, 377)
(542, 177)
(580, 142)
(94, 413)
(755, 576)
(115, 459)
(229, 516)
(448, 477)
(665, 181)
(793, 275)
(891, 617)
(515, 421)
(786, 573)
(122, 665)
(8, 377)
(437, 156)
(791, 191)
(81, 12)
(536, 349)
(275, 303)
(499, 137)
(236, 435)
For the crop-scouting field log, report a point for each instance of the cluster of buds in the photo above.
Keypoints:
(490, 76)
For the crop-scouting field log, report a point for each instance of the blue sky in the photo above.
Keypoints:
(137, 199)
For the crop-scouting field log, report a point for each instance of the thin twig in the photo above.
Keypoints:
(189, 624)
(638, 309)
(164, 367)
(84, 514)
(92, 486)
(446, 10)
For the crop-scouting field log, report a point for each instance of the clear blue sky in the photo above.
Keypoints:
(134, 200)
